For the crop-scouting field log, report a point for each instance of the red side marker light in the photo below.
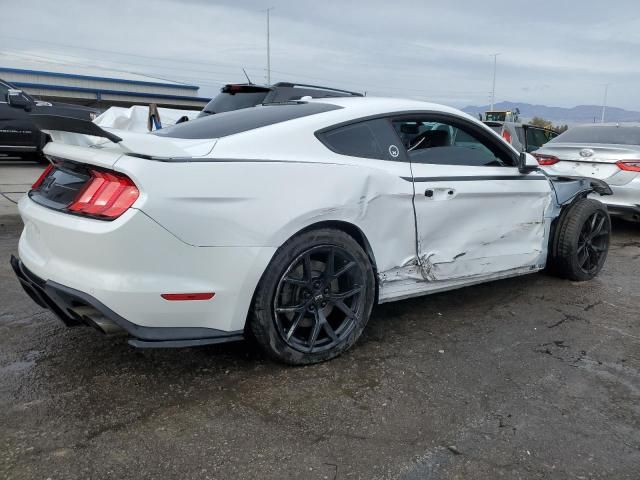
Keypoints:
(187, 296)
(506, 135)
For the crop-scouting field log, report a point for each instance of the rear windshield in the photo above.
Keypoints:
(237, 121)
(600, 134)
(227, 101)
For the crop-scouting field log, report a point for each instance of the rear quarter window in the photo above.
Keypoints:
(366, 139)
(356, 140)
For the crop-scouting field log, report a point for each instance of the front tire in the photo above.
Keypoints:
(314, 299)
(581, 242)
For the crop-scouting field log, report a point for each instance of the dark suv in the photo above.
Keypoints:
(243, 95)
(19, 137)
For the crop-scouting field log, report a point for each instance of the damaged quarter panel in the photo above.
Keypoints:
(263, 202)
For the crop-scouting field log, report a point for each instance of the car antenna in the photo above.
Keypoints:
(248, 79)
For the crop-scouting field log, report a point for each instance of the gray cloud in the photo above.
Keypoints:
(552, 52)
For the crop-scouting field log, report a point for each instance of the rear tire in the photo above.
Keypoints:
(314, 299)
(581, 241)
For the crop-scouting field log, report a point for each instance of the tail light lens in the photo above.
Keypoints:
(546, 159)
(629, 165)
(506, 135)
(106, 195)
(42, 176)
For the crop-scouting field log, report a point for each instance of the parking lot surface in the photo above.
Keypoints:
(16, 177)
(528, 378)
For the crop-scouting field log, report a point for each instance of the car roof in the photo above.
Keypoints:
(357, 107)
(610, 124)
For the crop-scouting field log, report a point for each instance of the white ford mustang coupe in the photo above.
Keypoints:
(288, 222)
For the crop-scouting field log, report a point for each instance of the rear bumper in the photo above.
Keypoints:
(75, 308)
(625, 200)
(113, 275)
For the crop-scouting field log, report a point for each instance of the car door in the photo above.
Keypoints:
(477, 216)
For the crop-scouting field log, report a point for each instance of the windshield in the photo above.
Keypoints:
(225, 102)
(496, 116)
(616, 135)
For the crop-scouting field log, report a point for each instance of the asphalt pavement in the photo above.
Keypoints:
(529, 378)
(16, 177)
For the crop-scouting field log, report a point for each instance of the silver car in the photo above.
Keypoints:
(609, 152)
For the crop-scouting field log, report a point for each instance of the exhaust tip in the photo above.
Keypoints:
(92, 317)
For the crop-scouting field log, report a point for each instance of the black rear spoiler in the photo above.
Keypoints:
(73, 125)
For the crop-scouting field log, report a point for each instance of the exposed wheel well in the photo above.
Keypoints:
(355, 233)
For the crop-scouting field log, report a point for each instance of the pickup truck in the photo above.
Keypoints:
(19, 137)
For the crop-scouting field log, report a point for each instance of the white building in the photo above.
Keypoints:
(94, 86)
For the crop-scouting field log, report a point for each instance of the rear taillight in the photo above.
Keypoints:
(629, 165)
(546, 159)
(106, 195)
(42, 176)
(506, 135)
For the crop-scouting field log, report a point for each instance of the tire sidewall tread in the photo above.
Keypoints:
(563, 256)
(261, 321)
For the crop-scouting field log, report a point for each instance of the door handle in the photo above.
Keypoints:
(440, 193)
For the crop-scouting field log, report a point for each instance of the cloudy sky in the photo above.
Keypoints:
(558, 52)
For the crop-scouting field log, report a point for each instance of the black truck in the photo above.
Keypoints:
(19, 137)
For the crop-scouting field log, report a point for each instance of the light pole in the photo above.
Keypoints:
(268, 46)
(493, 89)
(604, 101)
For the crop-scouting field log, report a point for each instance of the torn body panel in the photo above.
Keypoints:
(483, 226)
(502, 230)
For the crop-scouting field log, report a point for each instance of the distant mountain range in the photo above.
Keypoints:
(560, 115)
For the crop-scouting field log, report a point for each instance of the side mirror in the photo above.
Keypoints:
(16, 99)
(527, 163)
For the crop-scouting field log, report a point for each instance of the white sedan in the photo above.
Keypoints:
(290, 221)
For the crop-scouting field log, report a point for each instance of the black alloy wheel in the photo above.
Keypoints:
(317, 302)
(581, 240)
(593, 242)
(314, 299)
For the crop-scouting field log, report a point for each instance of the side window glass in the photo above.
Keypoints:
(550, 134)
(443, 144)
(367, 139)
(536, 138)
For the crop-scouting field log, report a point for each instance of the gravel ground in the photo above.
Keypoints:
(528, 378)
